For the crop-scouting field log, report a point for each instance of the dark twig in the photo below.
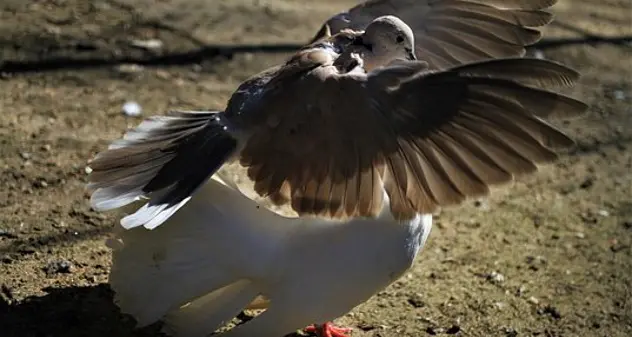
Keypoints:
(173, 59)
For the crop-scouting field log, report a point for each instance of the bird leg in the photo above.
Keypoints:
(328, 330)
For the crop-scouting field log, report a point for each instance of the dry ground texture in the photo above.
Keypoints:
(547, 256)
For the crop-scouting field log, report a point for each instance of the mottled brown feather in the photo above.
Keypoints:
(428, 140)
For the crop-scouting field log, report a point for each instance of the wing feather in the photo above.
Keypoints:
(460, 173)
(164, 160)
(460, 144)
(428, 140)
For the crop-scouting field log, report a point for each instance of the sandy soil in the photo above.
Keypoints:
(548, 256)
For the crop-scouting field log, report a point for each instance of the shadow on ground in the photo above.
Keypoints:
(73, 312)
(69, 312)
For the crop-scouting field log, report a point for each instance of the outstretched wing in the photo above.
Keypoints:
(330, 144)
(167, 158)
(454, 32)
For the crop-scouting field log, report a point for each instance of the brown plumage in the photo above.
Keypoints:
(431, 140)
(359, 115)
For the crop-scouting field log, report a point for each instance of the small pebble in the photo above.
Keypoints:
(619, 95)
(163, 74)
(482, 204)
(533, 300)
(367, 326)
(589, 218)
(129, 68)
(587, 183)
(151, 44)
(60, 224)
(58, 267)
(580, 235)
(496, 277)
(453, 330)
(510, 332)
(179, 82)
(197, 68)
(537, 221)
(88, 169)
(603, 213)
(550, 310)
(132, 109)
(416, 301)
(433, 331)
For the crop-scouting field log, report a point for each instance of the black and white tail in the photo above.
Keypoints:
(164, 159)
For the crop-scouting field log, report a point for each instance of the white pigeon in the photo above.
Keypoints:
(362, 134)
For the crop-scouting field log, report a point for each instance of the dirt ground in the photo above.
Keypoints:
(547, 256)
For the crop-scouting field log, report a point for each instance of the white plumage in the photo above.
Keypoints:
(221, 250)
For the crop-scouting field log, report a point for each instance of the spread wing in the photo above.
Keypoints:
(330, 145)
(165, 159)
(453, 32)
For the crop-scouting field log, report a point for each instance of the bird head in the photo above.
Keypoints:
(385, 39)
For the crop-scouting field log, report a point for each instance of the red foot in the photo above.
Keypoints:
(328, 330)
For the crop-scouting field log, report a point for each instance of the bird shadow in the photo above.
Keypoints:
(73, 312)
(69, 312)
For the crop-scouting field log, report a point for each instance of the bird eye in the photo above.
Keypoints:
(400, 39)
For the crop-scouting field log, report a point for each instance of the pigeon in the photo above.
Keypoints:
(355, 140)
(223, 253)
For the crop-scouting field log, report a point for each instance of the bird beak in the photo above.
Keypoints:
(411, 55)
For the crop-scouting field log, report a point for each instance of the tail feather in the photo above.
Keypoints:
(211, 311)
(156, 272)
(198, 270)
(165, 159)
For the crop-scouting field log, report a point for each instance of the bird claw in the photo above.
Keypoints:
(328, 330)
